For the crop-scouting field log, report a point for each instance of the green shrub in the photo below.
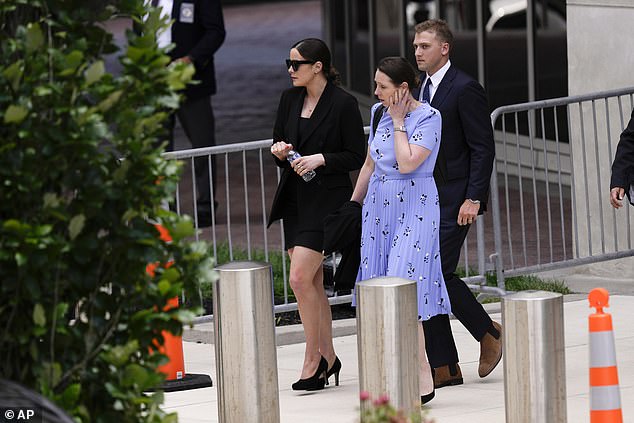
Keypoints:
(81, 180)
(276, 258)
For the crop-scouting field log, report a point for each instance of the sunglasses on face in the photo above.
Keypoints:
(296, 63)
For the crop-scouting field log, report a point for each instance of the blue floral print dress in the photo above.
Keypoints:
(401, 213)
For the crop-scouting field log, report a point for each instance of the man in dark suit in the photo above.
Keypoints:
(462, 174)
(197, 32)
(622, 181)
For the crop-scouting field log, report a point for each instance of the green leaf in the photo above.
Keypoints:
(134, 374)
(20, 259)
(76, 225)
(39, 316)
(51, 200)
(164, 286)
(129, 215)
(34, 37)
(172, 274)
(12, 225)
(70, 396)
(72, 61)
(15, 114)
(61, 310)
(182, 229)
(110, 100)
(95, 72)
(13, 73)
(51, 374)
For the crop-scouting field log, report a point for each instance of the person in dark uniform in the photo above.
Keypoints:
(197, 32)
(462, 174)
(322, 122)
(622, 181)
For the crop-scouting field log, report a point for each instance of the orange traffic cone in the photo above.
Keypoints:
(605, 397)
(174, 369)
(172, 348)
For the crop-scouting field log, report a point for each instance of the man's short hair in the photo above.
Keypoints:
(438, 26)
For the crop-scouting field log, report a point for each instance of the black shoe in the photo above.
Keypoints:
(334, 370)
(424, 399)
(316, 381)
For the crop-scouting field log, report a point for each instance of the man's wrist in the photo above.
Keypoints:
(473, 201)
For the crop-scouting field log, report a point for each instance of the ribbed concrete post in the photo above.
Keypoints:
(534, 357)
(387, 337)
(244, 330)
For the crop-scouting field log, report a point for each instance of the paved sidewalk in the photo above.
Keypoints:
(478, 400)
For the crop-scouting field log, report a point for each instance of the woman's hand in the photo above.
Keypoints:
(280, 149)
(400, 103)
(307, 163)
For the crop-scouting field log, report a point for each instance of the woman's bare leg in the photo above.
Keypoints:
(426, 381)
(305, 264)
(325, 322)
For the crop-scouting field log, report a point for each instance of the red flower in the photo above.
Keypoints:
(364, 395)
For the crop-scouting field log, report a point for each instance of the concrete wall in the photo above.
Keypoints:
(600, 57)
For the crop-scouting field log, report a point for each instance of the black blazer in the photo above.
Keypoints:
(199, 40)
(335, 130)
(467, 148)
(623, 165)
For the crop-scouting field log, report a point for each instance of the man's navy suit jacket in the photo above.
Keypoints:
(467, 148)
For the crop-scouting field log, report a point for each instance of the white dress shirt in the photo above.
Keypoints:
(435, 81)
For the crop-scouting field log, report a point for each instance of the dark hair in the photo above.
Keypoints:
(316, 50)
(399, 70)
(440, 27)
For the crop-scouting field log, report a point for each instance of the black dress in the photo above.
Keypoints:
(298, 232)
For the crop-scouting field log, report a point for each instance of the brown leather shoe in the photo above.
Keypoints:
(448, 375)
(490, 352)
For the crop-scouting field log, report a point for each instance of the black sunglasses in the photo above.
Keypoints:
(295, 63)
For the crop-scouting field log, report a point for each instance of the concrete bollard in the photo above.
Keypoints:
(387, 339)
(534, 357)
(244, 328)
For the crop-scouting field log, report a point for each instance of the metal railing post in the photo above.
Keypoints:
(387, 339)
(534, 357)
(244, 328)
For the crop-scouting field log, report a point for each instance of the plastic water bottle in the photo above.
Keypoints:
(292, 155)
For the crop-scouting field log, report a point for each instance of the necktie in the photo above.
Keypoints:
(426, 90)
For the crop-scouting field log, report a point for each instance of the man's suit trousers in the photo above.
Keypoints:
(439, 342)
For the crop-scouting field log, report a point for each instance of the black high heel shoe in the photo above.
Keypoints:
(334, 370)
(316, 381)
(424, 399)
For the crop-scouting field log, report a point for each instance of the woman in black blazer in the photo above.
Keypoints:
(321, 122)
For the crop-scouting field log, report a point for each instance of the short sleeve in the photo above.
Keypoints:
(372, 112)
(427, 130)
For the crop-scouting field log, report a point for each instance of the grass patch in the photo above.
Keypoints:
(519, 283)
(531, 282)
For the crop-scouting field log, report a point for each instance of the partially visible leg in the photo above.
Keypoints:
(305, 265)
(197, 119)
(326, 348)
(426, 382)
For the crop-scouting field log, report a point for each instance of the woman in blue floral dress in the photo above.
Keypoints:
(401, 215)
